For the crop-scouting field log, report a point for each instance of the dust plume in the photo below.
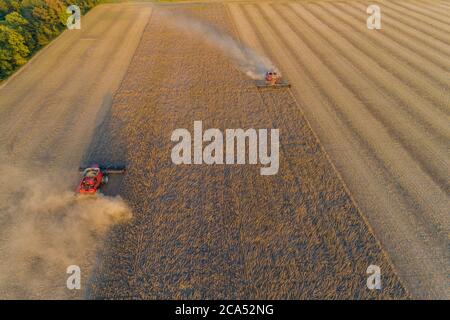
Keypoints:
(44, 228)
(245, 58)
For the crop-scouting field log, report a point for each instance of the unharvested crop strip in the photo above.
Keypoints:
(342, 248)
(241, 236)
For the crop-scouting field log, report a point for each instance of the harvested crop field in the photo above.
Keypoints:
(224, 231)
(364, 154)
(48, 113)
(379, 101)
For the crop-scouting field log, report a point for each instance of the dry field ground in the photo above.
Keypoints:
(377, 100)
(224, 231)
(48, 113)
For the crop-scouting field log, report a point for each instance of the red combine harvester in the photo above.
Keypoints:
(272, 80)
(94, 177)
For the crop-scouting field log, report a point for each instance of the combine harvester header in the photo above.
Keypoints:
(272, 80)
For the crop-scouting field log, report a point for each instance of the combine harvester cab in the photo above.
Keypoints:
(272, 80)
(95, 176)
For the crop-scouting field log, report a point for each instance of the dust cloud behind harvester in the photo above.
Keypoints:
(250, 62)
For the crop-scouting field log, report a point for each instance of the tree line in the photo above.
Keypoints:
(28, 25)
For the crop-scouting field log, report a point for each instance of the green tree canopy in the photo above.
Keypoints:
(27, 25)
(13, 50)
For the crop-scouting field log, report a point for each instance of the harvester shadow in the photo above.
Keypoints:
(106, 147)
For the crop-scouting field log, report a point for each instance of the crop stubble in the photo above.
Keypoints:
(224, 231)
(379, 102)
